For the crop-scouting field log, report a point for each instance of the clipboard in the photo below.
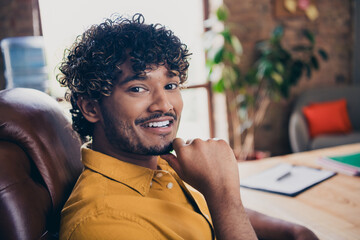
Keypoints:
(286, 179)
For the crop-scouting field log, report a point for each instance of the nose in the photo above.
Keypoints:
(160, 102)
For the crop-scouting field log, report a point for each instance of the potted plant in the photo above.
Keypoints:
(271, 76)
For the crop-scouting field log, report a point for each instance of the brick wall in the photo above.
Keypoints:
(15, 20)
(253, 21)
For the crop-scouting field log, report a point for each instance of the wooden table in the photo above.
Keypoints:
(330, 209)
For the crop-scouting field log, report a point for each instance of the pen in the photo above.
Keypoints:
(287, 174)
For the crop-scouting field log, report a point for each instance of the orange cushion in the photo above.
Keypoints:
(327, 117)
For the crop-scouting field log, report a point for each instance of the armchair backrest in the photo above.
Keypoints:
(39, 164)
(298, 127)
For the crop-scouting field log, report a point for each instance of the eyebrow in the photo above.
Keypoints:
(133, 78)
(139, 77)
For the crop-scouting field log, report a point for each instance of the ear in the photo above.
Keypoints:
(90, 109)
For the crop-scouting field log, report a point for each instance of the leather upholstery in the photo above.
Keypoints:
(39, 164)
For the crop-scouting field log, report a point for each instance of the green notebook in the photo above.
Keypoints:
(348, 164)
(351, 159)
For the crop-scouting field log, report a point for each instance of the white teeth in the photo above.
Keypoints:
(159, 124)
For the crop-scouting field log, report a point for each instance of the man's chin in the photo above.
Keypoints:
(157, 150)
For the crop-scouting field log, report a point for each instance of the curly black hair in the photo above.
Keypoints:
(91, 67)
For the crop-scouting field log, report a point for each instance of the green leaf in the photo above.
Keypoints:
(323, 54)
(251, 76)
(219, 86)
(277, 78)
(227, 35)
(239, 78)
(237, 71)
(278, 32)
(314, 62)
(296, 72)
(284, 92)
(309, 35)
(262, 46)
(209, 62)
(279, 67)
(266, 68)
(219, 56)
(308, 70)
(230, 76)
(236, 44)
(260, 71)
(222, 13)
(229, 56)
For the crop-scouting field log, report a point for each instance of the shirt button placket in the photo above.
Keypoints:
(170, 185)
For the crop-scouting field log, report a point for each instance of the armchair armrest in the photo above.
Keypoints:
(298, 132)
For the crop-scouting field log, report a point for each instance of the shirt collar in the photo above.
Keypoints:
(134, 176)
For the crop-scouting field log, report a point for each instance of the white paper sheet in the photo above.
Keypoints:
(286, 179)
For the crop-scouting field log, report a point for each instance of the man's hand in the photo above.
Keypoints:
(210, 167)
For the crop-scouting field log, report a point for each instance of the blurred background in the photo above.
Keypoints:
(324, 35)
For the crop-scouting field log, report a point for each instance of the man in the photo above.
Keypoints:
(124, 80)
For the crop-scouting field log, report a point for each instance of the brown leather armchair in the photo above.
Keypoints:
(39, 164)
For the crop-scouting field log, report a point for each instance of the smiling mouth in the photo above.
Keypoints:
(159, 124)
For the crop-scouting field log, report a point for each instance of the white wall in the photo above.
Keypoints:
(63, 20)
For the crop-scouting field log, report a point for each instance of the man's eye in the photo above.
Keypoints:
(137, 89)
(171, 86)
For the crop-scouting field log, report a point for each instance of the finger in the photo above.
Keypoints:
(178, 143)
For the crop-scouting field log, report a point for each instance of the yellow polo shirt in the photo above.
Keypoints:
(117, 200)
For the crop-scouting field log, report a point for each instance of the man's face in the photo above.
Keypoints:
(143, 112)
